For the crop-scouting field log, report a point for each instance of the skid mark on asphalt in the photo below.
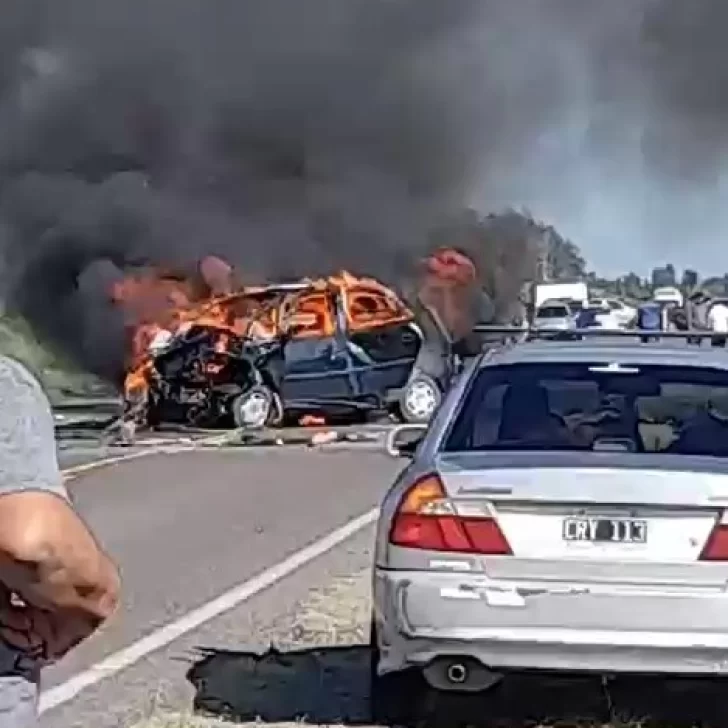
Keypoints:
(319, 668)
(281, 687)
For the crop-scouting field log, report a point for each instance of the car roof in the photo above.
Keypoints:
(666, 353)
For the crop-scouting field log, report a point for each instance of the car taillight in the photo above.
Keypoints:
(427, 519)
(716, 547)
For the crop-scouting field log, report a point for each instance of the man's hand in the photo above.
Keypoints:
(36, 632)
(48, 555)
(24, 628)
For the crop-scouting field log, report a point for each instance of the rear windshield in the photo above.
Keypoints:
(552, 312)
(655, 409)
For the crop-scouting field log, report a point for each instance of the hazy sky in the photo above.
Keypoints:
(616, 125)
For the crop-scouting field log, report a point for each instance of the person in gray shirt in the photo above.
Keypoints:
(57, 586)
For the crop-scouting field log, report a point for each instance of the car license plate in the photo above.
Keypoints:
(601, 530)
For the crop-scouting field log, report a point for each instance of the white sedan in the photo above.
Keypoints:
(618, 315)
(517, 540)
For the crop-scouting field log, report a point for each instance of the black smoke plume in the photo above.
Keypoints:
(295, 137)
(289, 138)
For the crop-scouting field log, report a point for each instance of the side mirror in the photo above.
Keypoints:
(403, 440)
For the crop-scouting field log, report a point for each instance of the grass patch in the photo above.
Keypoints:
(190, 721)
(187, 721)
(60, 378)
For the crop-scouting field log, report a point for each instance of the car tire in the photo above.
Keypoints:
(252, 410)
(419, 399)
(395, 699)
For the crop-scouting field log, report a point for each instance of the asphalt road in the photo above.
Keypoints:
(189, 526)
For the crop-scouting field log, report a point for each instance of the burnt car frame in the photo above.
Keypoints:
(333, 348)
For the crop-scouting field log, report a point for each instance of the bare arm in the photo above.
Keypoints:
(47, 554)
(50, 558)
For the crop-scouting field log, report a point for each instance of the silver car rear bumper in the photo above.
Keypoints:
(423, 616)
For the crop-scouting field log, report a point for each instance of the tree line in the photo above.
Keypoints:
(513, 247)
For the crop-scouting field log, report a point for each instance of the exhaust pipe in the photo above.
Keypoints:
(460, 674)
(457, 673)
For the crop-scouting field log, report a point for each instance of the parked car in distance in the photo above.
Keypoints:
(621, 315)
(574, 292)
(554, 315)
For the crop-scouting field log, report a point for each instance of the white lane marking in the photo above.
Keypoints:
(170, 449)
(118, 661)
(69, 473)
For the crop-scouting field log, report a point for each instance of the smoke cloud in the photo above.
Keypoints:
(628, 156)
(299, 137)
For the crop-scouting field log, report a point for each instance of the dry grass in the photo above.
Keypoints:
(185, 721)
(190, 721)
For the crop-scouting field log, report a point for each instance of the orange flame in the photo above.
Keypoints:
(448, 278)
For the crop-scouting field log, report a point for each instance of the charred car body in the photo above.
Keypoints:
(336, 346)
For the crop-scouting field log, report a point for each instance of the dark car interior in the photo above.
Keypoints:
(646, 409)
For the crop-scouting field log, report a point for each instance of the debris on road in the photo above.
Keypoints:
(127, 433)
(122, 435)
(309, 437)
(324, 438)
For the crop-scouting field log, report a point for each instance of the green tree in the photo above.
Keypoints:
(564, 259)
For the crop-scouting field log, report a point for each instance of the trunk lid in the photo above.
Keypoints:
(605, 517)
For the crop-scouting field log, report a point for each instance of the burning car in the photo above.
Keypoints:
(339, 345)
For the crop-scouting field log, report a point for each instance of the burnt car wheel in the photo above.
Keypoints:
(419, 399)
(252, 410)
